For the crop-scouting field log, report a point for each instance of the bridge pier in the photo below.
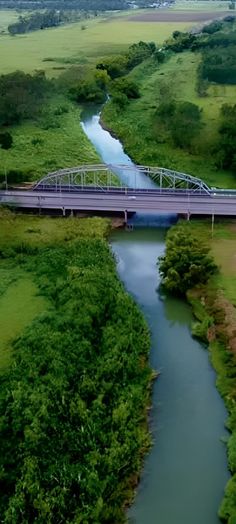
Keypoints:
(126, 216)
(63, 212)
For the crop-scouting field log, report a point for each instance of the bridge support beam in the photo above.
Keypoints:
(126, 216)
(63, 212)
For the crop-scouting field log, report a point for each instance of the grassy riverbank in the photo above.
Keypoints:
(53, 140)
(147, 142)
(74, 395)
(214, 308)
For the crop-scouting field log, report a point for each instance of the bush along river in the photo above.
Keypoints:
(185, 473)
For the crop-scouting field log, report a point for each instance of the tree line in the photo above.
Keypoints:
(41, 20)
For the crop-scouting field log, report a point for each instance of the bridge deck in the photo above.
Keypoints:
(153, 201)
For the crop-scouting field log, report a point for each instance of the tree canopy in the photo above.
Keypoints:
(186, 262)
(72, 412)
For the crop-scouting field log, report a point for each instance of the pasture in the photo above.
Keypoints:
(53, 50)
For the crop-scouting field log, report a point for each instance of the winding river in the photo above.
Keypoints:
(186, 470)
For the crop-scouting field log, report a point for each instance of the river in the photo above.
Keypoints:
(184, 474)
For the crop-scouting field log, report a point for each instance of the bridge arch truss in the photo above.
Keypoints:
(106, 176)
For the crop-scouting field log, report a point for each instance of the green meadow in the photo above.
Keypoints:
(19, 305)
(53, 50)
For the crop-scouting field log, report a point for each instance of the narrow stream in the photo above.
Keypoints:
(185, 473)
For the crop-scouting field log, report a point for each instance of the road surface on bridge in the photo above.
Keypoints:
(153, 202)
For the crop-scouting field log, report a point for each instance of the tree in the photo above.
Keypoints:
(186, 262)
(6, 140)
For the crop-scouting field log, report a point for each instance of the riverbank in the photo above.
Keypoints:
(216, 326)
(148, 141)
(78, 380)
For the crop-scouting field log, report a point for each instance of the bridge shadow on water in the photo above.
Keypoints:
(151, 220)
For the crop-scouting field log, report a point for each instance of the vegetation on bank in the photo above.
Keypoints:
(181, 120)
(40, 129)
(216, 318)
(186, 262)
(73, 418)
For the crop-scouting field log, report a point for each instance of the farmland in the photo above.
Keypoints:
(53, 50)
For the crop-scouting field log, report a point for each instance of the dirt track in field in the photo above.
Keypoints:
(174, 16)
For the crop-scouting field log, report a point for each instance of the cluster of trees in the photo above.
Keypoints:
(219, 64)
(72, 404)
(84, 84)
(226, 148)
(214, 34)
(38, 20)
(186, 262)
(21, 96)
(180, 120)
(120, 65)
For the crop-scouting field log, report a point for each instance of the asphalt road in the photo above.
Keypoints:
(145, 202)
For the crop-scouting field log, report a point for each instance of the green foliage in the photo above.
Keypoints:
(159, 56)
(21, 96)
(213, 27)
(186, 262)
(137, 53)
(226, 150)
(72, 405)
(120, 100)
(114, 65)
(181, 119)
(37, 20)
(84, 85)
(227, 509)
(180, 42)
(6, 140)
(219, 64)
(125, 86)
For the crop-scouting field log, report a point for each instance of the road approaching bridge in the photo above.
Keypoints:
(69, 190)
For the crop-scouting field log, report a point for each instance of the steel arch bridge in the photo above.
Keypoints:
(103, 177)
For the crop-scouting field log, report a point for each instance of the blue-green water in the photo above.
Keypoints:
(186, 470)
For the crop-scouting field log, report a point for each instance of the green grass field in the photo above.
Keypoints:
(19, 305)
(52, 50)
(36, 150)
(135, 124)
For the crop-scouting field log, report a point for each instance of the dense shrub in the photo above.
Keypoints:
(71, 407)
